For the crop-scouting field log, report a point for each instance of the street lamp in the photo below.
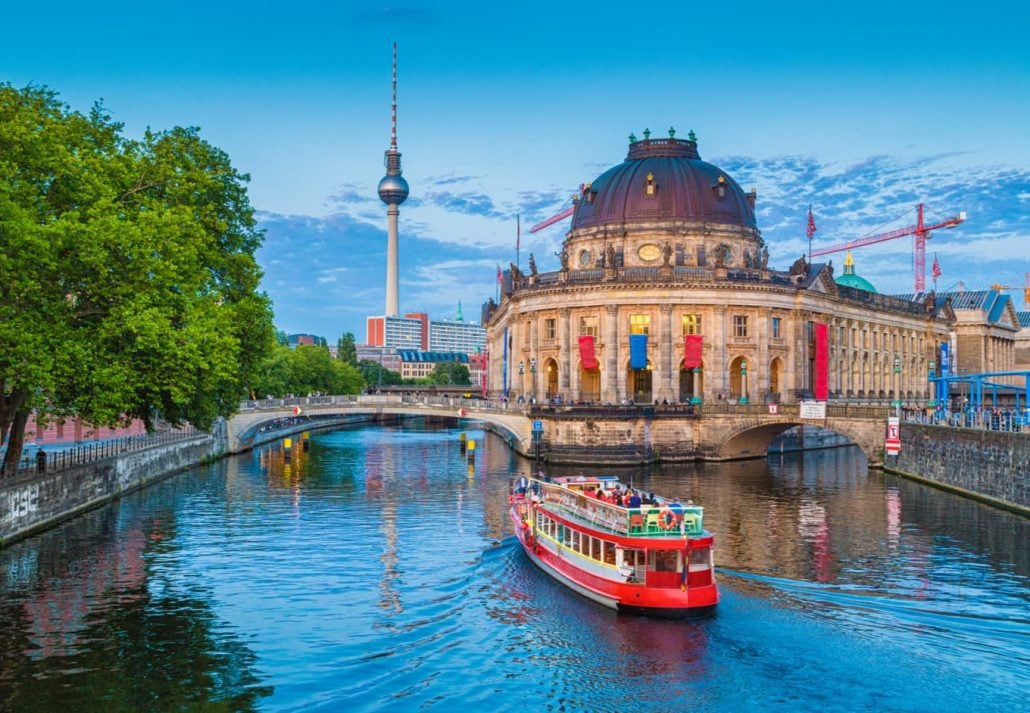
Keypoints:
(897, 384)
(743, 382)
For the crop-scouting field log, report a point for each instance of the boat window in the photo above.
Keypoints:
(699, 559)
(609, 553)
(595, 550)
(665, 560)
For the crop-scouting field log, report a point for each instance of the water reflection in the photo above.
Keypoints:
(85, 617)
(377, 570)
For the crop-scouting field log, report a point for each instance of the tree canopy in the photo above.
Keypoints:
(450, 372)
(128, 284)
(307, 369)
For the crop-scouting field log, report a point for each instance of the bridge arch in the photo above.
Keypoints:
(753, 441)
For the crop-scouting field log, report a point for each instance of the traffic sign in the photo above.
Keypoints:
(538, 426)
(892, 446)
(774, 409)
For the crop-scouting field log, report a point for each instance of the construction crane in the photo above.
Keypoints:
(564, 213)
(920, 230)
(1026, 290)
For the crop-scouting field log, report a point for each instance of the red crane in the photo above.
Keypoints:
(564, 213)
(920, 230)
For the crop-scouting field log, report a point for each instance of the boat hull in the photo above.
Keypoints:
(612, 592)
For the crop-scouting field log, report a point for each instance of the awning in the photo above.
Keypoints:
(692, 351)
(586, 352)
(638, 351)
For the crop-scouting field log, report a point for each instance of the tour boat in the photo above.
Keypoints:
(654, 558)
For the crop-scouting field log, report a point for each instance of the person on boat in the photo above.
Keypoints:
(633, 501)
(521, 485)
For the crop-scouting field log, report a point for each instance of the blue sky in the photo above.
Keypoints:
(861, 111)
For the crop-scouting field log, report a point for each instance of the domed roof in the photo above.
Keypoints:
(664, 179)
(850, 279)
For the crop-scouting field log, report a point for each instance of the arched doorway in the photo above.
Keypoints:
(589, 385)
(739, 375)
(551, 378)
(639, 384)
(775, 380)
(692, 384)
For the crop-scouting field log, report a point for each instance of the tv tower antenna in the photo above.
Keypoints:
(393, 190)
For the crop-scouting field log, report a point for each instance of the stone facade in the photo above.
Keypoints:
(994, 465)
(696, 264)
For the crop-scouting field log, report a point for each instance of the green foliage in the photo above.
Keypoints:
(346, 349)
(377, 375)
(128, 285)
(450, 373)
(305, 370)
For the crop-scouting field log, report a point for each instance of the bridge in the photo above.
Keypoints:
(572, 434)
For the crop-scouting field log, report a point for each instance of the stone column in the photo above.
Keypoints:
(565, 359)
(665, 358)
(534, 353)
(760, 373)
(609, 383)
(717, 373)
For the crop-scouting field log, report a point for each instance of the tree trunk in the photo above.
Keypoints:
(16, 443)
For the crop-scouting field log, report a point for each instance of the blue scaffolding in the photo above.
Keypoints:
(979, 387)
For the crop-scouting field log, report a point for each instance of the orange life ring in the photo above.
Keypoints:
(666, 519)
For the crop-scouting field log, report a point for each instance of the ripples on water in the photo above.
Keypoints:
(377, 572)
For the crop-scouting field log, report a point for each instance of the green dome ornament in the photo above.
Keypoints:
(850, 279)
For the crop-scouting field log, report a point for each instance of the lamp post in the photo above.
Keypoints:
(532, 378)
(743, 382)
(522, 382)
(897, 385)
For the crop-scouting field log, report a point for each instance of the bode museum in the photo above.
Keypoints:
(665, 294)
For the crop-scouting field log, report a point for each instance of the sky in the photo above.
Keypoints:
(861, 111)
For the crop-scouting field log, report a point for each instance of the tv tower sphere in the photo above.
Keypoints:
(393, 190)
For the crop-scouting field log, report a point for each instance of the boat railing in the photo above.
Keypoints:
(647, 520)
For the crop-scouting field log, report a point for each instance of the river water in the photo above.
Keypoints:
(377, 572)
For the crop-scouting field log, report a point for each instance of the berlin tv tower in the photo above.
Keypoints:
(393, 190)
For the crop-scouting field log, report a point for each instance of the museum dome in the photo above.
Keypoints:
(663, 180)
(850, 279)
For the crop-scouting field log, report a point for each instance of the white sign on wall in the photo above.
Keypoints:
(813, 409)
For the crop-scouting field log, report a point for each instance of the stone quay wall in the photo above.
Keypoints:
(36, 501)
(993, 466)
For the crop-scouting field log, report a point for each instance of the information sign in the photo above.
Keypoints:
(538, 426)
(774, 409)
(893, 443)
(813, 410)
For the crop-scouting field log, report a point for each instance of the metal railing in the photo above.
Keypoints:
(77, 454)
(1008, 421)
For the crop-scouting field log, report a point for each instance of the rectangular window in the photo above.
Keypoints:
(639, 323)
(550, 330)
(740, 325)
(841, 337)
(692, 324)
(776, 328)
(588, 326)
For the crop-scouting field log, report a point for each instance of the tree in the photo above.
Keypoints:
(450, 372)
(377, 375)
(346, 350)
(128, 285)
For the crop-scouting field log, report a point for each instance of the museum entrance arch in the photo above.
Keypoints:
(639, 384)
(692, 384)
(589, 385)
(775, 379)
(551, 376)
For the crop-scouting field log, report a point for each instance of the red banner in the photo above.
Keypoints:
(822, 362)
(586, 352)
(692, 351)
